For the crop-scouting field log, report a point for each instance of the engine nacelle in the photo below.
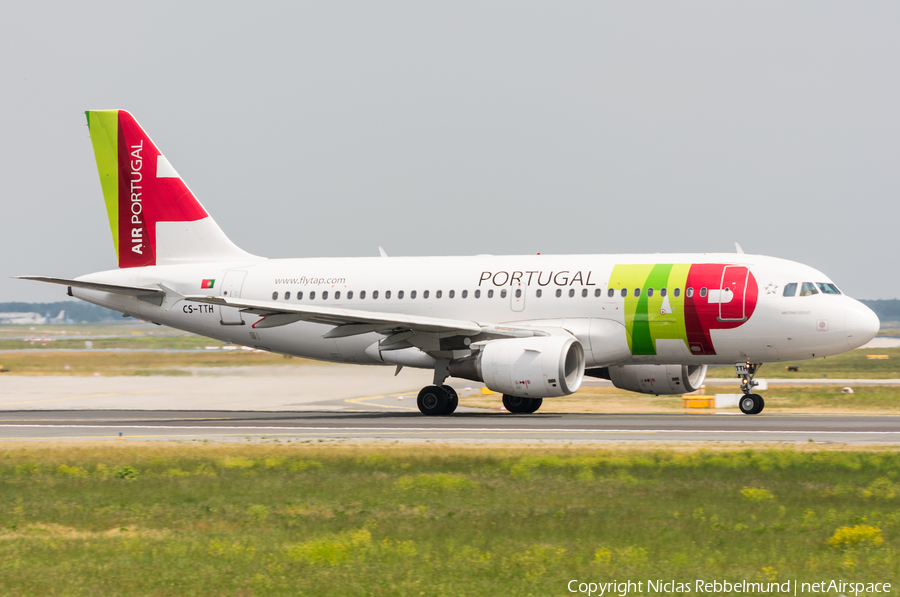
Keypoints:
(537, 367)
(654, 379)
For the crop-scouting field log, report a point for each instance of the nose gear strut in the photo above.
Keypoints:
(750, 403)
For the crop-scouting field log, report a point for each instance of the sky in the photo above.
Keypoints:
(459, 128)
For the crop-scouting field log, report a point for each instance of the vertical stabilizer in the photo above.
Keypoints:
(154, 217)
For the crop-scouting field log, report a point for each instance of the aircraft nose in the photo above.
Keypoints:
(861, 324)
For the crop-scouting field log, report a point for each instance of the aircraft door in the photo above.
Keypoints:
(517, 297)
(231, 288)
(734, 286)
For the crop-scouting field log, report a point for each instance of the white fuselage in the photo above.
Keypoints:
(524, 291)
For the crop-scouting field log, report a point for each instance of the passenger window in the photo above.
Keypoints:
(325, 295)
(387, 294)
(518, 293)
(624, 292)
(452, 293)
(438, 294)
(274, 296)
(425, 294)
(637, 292)
(337, 295)
(300, 296)
(689, 292)
(503, 293)
(362, 294)
(703, 291)
(828, 288)
(538, 293)
(584, 292)
(312, 295)
(677, 292)
(662, 292)
(478, 294)
(598, 292)
(649, 292)
(490, 294)
(412, 294)
(611, 292)
(790, 289)
(349, 294)
(571, 292)
(808, 289)
(374, 294)
(558, 293)
(287, 295)
(399, 295)
(465, 293)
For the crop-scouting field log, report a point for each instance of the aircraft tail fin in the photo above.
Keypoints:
(154, 217)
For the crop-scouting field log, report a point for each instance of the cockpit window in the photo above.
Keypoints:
(808, 289)
(827, 288)
(790, 289)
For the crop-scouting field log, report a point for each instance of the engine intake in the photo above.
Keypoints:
(653, 379)
(538, 367)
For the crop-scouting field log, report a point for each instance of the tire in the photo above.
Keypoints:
(518, 404)
(535, 404)
(452, 400)
(761, 404)
(432, 401)
(751, 404)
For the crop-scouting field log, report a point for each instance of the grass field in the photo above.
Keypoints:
(279, 519)
(851, 364)
(89, 362)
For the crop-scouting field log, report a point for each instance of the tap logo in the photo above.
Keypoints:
(525, 382)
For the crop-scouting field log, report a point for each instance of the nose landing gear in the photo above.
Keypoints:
(750, 403)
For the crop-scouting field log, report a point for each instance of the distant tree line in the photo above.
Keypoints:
(887, 310)
(77, 311)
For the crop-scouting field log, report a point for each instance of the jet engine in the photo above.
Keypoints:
(653, 379)
(537, 367)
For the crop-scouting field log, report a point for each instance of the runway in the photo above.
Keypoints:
(470, 426)
(312, 403)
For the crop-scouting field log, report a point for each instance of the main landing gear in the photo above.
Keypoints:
(750, 403)
(517, 404)
(437, 400)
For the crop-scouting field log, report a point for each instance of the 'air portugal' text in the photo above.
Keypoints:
(137, 221)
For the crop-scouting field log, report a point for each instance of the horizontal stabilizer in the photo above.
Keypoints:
(113, 288)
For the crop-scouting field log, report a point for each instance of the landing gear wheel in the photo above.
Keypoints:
(452, 400)
(535, 404)
(517, 404)
(751, 404)
(433, 401)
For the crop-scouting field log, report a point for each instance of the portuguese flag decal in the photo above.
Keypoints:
(207, 283)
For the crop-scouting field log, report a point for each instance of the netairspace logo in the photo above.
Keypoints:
(721, 587)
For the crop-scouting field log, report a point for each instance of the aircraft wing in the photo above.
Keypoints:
(351, 322)
(113, 288)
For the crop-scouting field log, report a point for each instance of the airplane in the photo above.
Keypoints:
(527, 326)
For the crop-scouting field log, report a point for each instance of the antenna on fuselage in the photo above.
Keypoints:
(381, 252)
(737, 249)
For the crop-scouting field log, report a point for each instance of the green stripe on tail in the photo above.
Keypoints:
(104, 128)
